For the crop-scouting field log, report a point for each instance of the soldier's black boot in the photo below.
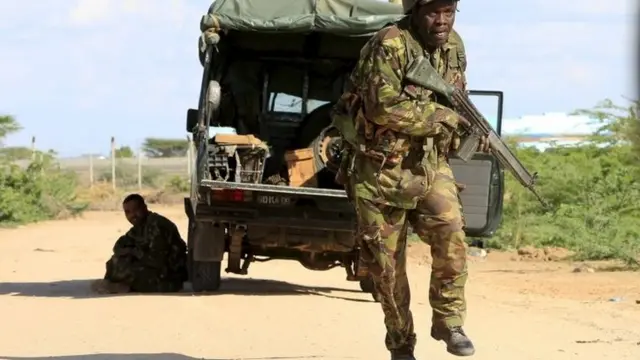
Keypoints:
(457, 341)
(404, 353)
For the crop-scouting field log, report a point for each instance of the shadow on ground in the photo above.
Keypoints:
(163, 356)
(81, 289)
(520, 271)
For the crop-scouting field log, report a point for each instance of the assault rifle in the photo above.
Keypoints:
(421, 73)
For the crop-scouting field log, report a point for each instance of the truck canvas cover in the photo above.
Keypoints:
(343, 17)
(320, 38)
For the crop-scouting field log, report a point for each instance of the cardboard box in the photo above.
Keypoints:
(302, 168)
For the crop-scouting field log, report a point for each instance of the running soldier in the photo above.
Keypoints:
(398, 172)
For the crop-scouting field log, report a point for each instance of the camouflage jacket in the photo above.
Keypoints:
(399, 130)
(155, 243)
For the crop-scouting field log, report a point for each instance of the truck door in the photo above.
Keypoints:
(482, 176)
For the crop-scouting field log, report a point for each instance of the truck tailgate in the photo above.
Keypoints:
(261, 204)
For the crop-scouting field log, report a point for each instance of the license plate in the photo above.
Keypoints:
(277, 200)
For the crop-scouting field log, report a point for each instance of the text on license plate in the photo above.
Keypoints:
(274, 200)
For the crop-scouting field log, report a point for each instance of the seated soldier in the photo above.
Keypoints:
(150, 257)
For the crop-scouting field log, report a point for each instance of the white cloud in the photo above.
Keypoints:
(552, 123)
(563, 64)
(87, 12)
(106, 65)
(130, 67)
(581, 74)
(590, 7)
(94, 12)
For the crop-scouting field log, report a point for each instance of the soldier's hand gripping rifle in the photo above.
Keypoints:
(476, 127)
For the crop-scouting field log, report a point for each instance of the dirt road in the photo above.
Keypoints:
(517, 310)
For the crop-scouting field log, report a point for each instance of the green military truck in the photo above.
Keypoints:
(272, 70)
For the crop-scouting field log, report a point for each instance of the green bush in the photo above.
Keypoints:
(178, 184)
(42, 191)
(593, 190)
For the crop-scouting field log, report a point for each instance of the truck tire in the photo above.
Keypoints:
(312, 125)
(366, 285)
(205, 276)
(324, 149)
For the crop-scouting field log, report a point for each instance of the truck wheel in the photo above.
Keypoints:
(214, 97)
(313, 124)
(326, 148)
(205, 276)
(366, 285)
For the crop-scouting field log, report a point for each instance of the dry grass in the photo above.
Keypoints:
(102, 196)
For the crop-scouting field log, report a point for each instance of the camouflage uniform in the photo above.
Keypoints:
(400, 176)
(150, 257)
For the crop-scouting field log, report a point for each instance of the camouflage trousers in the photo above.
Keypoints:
(129, 271)
(439, 222)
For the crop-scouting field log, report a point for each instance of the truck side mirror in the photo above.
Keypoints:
(192, 120)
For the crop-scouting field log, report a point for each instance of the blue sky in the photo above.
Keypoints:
(75, 72)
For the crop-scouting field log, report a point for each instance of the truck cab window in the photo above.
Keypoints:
(291, 104)
(489, 103)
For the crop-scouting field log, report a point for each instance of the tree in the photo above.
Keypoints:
(16, 152)
(159, 148)
(41, 191)
(124, 152)
(8, 125)
(592, 189)
(619, 124)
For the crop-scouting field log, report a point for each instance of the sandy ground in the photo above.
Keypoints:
(517, 310)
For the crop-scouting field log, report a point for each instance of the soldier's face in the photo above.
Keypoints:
(435, 21)
(134, 211)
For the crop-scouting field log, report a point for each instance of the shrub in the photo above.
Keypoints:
(593, 190)
(178, 184)
(41, 191)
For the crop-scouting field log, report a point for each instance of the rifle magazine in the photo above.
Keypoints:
(468, 147)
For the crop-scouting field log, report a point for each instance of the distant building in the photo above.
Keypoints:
(87, 156)
(549, 130)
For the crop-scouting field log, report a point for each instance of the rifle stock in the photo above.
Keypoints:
(421, 73)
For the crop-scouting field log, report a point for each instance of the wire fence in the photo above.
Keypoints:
(128, 173)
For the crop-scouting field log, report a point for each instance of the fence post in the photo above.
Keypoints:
(113, 162)
(140, 169)
(91, 170)
(33, 148)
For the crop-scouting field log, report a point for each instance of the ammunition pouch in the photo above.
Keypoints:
(343, 117)
(381, 144)
(346, 165)
(410, 151)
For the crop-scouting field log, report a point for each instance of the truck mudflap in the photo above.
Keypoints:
(206, 250)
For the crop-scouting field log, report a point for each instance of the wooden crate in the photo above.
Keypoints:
(302, 168)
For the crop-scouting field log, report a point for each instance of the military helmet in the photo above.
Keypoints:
(408, 5)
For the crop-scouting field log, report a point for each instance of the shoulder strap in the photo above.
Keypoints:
(462, 58)
(412, 50)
